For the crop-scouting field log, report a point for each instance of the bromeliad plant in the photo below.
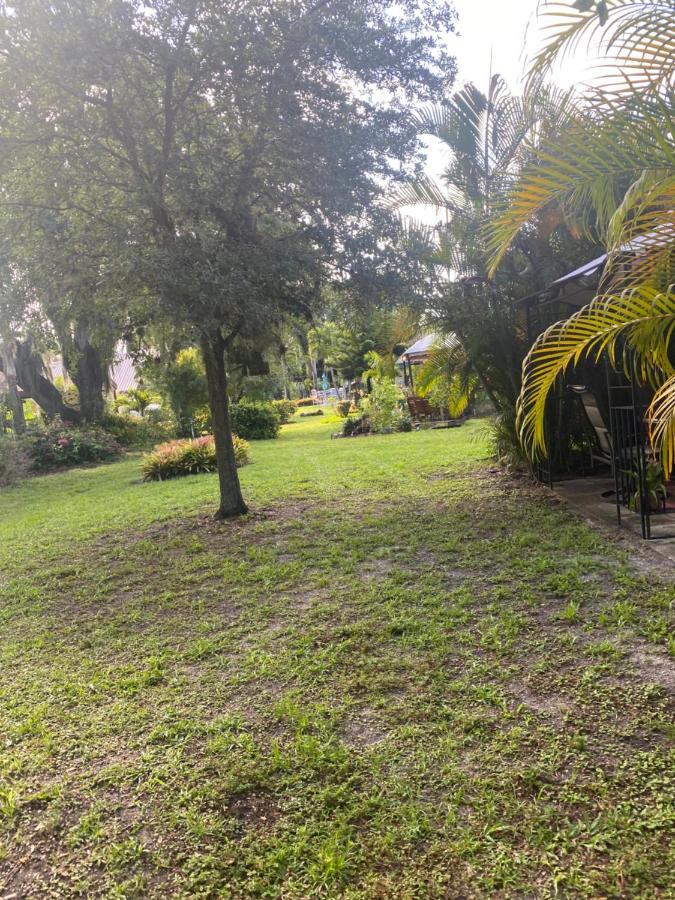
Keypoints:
(613, 172)
(188, 457)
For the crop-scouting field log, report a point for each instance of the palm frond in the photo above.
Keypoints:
(426, 191)
(614, 162)
(636, 35)
(448, 370)
(661, 416)
(460, 393)
(645, 318)
(446, 359)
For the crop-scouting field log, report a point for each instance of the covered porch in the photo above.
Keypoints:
(600, 455)
(593, 497)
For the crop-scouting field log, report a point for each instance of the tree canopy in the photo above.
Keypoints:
(229, 157)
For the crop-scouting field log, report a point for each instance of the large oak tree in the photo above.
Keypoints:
(235, 151)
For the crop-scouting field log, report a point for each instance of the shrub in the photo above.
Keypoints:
(183, 382)
(304, 401)
(254, 421)
(13, 460)
(201, 420)
(342, 408)
(136, 433)
(503, 440)
(57, 446)
(284, 409)
(138, 399)
(356, 425)
(188, 457)
(384, 406)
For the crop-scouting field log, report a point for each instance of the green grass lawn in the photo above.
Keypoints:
(402, 675)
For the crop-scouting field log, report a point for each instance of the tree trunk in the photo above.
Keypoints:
(16, 405)
(7, 365)
(315, 376)
(231, 500)
(30, 376)
(284, 375)
(89, 373)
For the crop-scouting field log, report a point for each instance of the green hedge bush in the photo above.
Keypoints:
(254, 421)
(188, 457)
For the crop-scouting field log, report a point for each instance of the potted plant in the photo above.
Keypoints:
(655, 488)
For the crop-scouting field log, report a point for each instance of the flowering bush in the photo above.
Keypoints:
(178, 458)
(58, 445)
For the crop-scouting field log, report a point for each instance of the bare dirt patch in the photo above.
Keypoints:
(551, 705)
(254, 810)
(362, 730)
(653, 667)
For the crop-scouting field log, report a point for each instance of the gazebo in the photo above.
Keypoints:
(415, 355)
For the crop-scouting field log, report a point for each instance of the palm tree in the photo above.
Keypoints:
(488, 138)
(447, 375)
(613, 171)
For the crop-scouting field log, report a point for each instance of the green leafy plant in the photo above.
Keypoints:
(188, 457)
(285, 409)
(138, 399)
(655, 487)
(254, 421)
(183, 382)
(139, 434)
(503, 441)
(384, 407)
(446, 378)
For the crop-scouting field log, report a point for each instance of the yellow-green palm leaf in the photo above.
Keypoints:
(662, 423)
(448, 371)
(614, 163)
(644, 317)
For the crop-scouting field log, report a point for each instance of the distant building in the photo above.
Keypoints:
(122, 373)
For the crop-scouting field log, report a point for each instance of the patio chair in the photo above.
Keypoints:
(603, 453)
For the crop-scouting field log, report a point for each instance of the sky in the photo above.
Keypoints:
(502, 33)
(491, 28)
(498, 36)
